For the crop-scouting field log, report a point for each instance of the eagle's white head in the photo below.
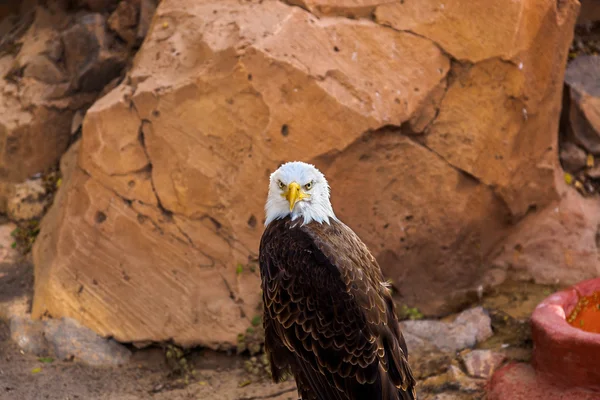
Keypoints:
(299, 190)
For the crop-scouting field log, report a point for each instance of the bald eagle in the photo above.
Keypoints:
(329, 317)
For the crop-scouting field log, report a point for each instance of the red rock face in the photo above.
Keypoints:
(565, 354)
(433, 144)
(556, 245)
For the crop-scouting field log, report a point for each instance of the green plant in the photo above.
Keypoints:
(179, 364)
(405, 312)
(25, 235)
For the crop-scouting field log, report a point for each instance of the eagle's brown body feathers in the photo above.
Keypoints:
(328, 318)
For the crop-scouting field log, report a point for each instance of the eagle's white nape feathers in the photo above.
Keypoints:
(316, 208)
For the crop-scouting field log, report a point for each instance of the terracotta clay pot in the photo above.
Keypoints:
(519, 381)
(566, 355)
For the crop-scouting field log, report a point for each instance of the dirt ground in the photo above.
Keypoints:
(150, 375)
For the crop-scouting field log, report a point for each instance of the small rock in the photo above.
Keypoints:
(431, 331)
(594, 172)
(147, 9)
(158, 388)
(95, 23)
(584, 118)
(89, 56)
(582, 75)
(453, 378)
(462, 381)
(584, 113)
(28, 334)
(71, 340)
(81, 48)
(469, 327)
(124, 20)
(572, 157)
(430, 364)
(77, 121)
(27, 201)
(425, 358)
(43, 69)
(472, 326)
(482, 363)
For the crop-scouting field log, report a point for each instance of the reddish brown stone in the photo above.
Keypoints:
(557, 244)
(124, 21)
(572, 157)
(584, 94)
(482, 363)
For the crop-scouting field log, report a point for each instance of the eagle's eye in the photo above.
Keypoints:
(281, 185)
(308, 186)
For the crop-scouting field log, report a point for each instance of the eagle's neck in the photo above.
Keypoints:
(320, 212)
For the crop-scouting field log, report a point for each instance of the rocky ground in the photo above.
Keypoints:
(452, 357)
(149, 375)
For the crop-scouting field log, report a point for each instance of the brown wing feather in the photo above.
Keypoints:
(328, 319)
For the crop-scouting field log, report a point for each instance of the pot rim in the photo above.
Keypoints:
(552, 312)
(565, 354)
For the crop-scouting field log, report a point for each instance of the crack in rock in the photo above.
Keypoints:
(233, 294)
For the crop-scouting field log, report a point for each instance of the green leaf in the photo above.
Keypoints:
(239, 269)
(256, 320)
(46, 359)
(13, 245)
(36, 370)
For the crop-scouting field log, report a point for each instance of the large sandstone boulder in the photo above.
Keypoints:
(436, 126)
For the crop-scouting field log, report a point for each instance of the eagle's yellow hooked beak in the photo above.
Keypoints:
(294, 194)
